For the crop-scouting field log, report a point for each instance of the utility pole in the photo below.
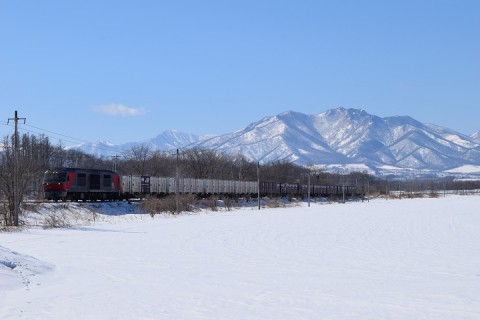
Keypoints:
(258, 184)
(115, 158)
(177, 187)
(399, 190)
(386, 188)
(368, 190)
(309, 189)
(15, 168)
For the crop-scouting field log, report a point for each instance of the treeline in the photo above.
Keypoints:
(204, 164)
(36, 154)
(211, 164)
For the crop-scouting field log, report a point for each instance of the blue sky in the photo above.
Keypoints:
(127, 70)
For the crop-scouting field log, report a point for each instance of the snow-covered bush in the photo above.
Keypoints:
(155, 205)
(56, 219)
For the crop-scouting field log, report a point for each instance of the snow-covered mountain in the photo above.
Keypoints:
(167, 140)
(290, 136)
(476, 136)
(336, 137)
(99, 149)
(351, 136)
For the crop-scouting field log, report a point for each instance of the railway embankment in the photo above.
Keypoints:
(70, 214)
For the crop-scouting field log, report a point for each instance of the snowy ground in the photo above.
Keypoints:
(396, 259)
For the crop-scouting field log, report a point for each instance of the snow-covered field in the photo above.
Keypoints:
(395, 259)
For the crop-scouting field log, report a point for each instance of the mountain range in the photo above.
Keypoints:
(336, 138)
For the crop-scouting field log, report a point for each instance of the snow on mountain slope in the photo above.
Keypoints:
(350, 136)
(98, 149)
(476, 136)
(337, 136)
(465, 169)
(169, 139)
(289, 136)
(346, 130)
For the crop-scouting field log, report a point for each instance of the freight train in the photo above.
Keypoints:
(90, 184)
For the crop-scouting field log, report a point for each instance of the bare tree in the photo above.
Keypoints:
(137, 159)
(282, 171)
(33, 159)
(161, 164)
(200, 163)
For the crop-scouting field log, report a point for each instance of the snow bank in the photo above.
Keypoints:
(16, 270)
(386, 259)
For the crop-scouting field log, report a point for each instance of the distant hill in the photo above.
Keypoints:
(336, 138)
(351, 136)
(476, 136)
(167, 140)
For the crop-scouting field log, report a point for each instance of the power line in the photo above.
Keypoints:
(58, 134)
(61, 138)
(70, 138)
(38, 132)
(58, 139)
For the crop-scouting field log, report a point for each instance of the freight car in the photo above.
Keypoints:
(133, 186)
(296, 189)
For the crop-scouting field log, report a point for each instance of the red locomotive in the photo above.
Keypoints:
(81, 184)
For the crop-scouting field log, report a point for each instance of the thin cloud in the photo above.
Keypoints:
(115, 109)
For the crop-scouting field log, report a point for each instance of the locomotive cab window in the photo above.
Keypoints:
(95, 181)
(55, 176)
(107, 180)
(82, 180)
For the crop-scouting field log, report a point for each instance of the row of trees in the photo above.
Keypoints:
(36, 155)
(204, 164)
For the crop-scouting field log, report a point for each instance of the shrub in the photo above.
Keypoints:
(211, 203)
(56, 220)
(433, 194)
(155, 205)
(229, 203)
